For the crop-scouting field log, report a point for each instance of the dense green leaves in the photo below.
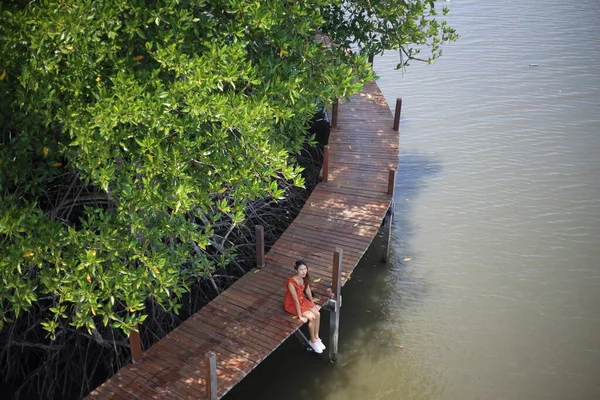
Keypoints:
(130, 129)
(378, 25)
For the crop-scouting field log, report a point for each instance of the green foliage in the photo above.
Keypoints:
(378, 25)
(130, 129)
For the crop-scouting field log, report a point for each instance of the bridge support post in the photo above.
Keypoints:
(334, 113)
(397, 113)
(325, 168)
(389, 216)
(334, 315)
(302, 338)
(391, 182)
(260, 246)
(210, 365)
(135, 346)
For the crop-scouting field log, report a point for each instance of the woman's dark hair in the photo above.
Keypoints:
(297, 265)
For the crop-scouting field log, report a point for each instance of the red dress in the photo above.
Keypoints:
(288, 302)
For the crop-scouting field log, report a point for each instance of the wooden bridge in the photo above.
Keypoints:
(215, 348)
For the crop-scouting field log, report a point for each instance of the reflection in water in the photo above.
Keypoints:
(498, 210)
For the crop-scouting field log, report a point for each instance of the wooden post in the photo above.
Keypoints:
(135, 346)
(389, 216)
(397, 113)
(260, 246)
(391, 182)
(325, 175)
(303, 339)
(334, 315)
(210, 365)
(334, 113)
(387, 225)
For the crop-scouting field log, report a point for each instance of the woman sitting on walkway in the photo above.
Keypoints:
(297, 304)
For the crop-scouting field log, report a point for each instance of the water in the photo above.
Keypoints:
(493, 289)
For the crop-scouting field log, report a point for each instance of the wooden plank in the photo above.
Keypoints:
(281, 327)
(131, 386)
(263, 280)
(166, 379)
(144, 377)
(194, 367)
(357, 193)
(368, 214)
(334, 219)
(222, 344)
(316, 261)
(331, 217)
(138, 384)
(330, 231)
(181, 358)
(347, 265)
(327, 194)
(258, 323)
(379, 187)
(313, 245)
(113, 391)
(247, 333)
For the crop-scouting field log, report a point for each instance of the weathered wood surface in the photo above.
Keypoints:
(246, 323)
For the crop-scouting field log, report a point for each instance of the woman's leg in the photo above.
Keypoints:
(317, 320)
(311, 325)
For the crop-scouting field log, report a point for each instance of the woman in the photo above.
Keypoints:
(297, 304)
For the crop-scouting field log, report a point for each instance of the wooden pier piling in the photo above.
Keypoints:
(302, 338)
(334, 315)
(391, 181)
(334, 113)
(325, 168)
(389, 215)
(210, 361)
(397, 113)
(135, 346)
(260, 246)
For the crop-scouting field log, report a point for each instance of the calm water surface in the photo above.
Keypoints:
(493, 289)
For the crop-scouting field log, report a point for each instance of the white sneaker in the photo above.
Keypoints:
(315, 346)
(320, 342)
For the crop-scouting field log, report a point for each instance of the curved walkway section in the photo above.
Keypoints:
(246, 323)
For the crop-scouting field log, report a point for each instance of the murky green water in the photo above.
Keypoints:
(498, 209)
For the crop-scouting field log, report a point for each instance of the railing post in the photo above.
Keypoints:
(397, 113)
(334, 315)
(334, 113)
(389, 215)
(260, 246)
(135, 346)
(391, 181)
(387, 225)
(325, 174)
(210, 366)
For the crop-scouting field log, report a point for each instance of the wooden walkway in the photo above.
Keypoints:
(246, 323)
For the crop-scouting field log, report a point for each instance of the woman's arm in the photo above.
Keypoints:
(309, 294)
(292, 290)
